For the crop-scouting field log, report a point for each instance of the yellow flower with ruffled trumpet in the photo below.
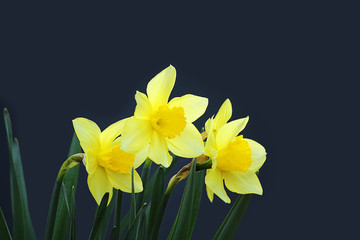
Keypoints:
(108, 167)
(235, 160)
(164, 125)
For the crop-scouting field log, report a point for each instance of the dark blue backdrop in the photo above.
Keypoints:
(287, 66)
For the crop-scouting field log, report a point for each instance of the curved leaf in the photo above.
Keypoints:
(22, 225)
(231, 223)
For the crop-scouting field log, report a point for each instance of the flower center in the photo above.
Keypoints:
(169, 121)
(236, 156)
(116, 160)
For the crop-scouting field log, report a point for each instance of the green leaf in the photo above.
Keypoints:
(72, 231)
(105, 222)
(182, 224)
(134, 227)
(198, 183)
(115, 233)
(70, 180)
(99, 215)
(133, 203)
(147, 193)
(4, 230)
(58, 216)
(141, 233)
(155, 216)
(150, 185)
(124, 224)
(22, 225)
(230, 225)
(144, 178)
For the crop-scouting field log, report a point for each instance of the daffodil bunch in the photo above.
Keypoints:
(162, 132)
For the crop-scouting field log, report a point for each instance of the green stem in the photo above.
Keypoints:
(68, 164)
(205, 165)
(184, 172)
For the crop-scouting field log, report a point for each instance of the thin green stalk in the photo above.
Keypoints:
(68, 164)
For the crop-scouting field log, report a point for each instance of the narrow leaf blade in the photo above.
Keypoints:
(22, 225)
(182, 223)
(4, 230)
(105, 222)
(230, 224)
(133, 202)
(61, 226)
(155, 216)
(99, 216)
(199, 181)
(134, 227)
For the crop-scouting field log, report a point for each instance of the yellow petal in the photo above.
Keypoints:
(210, 145)
(243, 182)
(122, 181)
(136, 135)
(194, 106)
(90, 162)
(141, 156)
(88, 134)
(258, 155)
(160, 87)
(158, 150)
(223, 115)
(113, 131)
(99, 184)
(209, 125)
(210, 194)
(229, 131)
(143, 108)
(189, 144)
(214, 182)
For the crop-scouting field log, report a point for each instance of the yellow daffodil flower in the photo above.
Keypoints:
(234, 159)
(164, 125)
(106, 164)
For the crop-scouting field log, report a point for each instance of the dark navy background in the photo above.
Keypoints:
(290, 67)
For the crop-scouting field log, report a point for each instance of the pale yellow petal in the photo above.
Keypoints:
(136, 135)
(214, 181)
(160, 87)
(99, 184)
(209, 125)
(243, 182)
(194, 106)
(158, 150)
(229, 131)
(210, 145)
(122, 181)
(210, 194)
(141, 156)
(258, 155)
(113, 131)
(223, 115)
(189, 144)
(143, 108)
(88, 134)
(90, 162)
